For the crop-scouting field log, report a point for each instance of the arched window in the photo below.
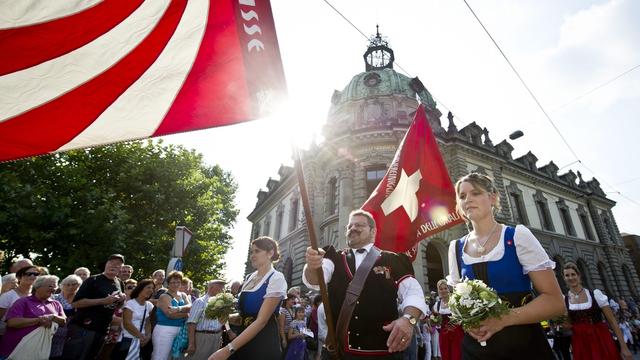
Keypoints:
(585, 274)
(629, 279)
(287, 271)
(559, 272)
(602, 271)
(434, 266)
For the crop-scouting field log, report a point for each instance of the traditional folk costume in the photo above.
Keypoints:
(505, 269)
(266, 344)
(450, 335)
(591, 337)
(391, 278)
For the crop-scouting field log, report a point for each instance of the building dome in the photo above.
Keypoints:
(368, 84)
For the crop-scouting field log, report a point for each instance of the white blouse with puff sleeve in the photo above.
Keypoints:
(531, 254)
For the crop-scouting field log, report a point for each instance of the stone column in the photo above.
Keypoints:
(345, 199)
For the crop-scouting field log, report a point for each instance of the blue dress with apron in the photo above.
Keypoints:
(507, 278)
(266, 344)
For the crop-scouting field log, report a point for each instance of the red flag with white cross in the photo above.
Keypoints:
(416, 198)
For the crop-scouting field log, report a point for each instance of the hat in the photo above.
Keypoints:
(217, 281)
(116, 257)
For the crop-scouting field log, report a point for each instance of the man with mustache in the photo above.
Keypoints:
(375, 331)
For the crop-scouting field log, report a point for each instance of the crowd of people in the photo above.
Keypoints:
(380, 310)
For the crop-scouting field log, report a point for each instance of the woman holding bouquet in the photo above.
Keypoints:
(450, 335)
(259, 305)
(587, 312)
(508, 259)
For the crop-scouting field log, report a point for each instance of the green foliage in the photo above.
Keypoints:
(75, 208)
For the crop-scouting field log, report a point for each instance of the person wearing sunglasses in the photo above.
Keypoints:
(26, 276)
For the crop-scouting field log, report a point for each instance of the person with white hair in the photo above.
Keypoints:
(83, 272)
(9, 282)
(29, 313)
(70, 286)
(205, 335)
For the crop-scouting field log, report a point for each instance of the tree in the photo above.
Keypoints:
(75, 208)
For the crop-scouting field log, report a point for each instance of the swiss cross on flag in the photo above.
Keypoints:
(416, 198)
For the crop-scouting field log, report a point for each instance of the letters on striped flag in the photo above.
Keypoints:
(80, 73)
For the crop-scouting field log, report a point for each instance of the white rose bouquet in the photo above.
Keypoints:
(472, 302)
(220, 307)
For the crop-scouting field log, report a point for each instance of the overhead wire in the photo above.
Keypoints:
(395, 62)
(542, 108)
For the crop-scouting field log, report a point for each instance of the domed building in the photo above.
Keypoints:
(366, 122)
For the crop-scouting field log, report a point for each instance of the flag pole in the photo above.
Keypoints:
(331, 342)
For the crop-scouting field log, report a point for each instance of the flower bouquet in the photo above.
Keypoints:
(220, 307)
(436, 320)
(472, 302)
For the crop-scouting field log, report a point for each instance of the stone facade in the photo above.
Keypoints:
(571, 217)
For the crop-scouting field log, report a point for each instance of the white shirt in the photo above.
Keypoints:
(531, 254)
(137, 311)
(410, 292)
(601, 299)
(6, 300)
(322, 324)
(277, 286)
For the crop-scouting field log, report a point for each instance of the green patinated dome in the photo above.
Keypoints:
(382, 82)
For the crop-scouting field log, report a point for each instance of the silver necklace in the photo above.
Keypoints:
(480, 246)
(575, 296)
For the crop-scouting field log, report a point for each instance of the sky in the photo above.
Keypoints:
(568, 52)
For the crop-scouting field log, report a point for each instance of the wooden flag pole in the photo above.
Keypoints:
(331, 342)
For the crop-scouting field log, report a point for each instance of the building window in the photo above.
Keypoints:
(543, 214)
(374, 175)
(608, 226)
(565, 216)
(517, 209)
(332, 196)
(588, 233)
(279, 216)
(516, 201)
(293, 217)
(267, 225)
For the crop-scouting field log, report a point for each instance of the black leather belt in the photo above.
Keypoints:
(209, 331)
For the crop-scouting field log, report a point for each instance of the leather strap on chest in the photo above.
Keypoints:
(353, 293)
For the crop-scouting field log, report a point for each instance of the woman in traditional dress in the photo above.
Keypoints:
(587, 312)
(508, 259)
(450, 339)
(259, 304)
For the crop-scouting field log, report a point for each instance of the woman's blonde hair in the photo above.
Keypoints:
(479, 182)
(440, 282)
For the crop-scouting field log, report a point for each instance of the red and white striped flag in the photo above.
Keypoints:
(79, 73)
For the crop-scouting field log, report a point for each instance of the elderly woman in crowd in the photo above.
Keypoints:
(26, 276)
(70, 286)
(9, 282)
(83, 272)
(29, 313)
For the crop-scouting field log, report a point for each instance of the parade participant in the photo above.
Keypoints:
(591, 338)
(450, 335)
(509, 260)
(374, 330)
(205, 335)
(286, 317)
(172, 312)
(95, 303)
(259, 303)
